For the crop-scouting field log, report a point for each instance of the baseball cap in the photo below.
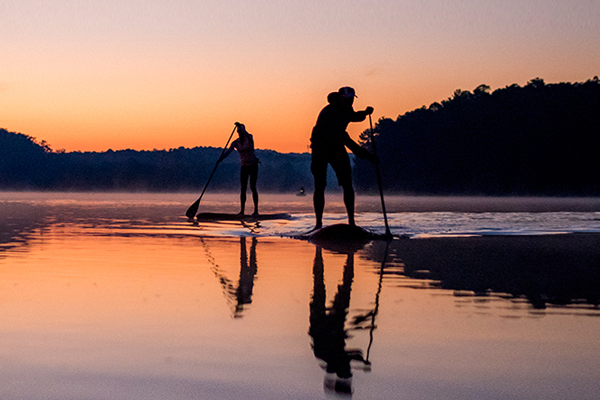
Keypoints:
(347, 91)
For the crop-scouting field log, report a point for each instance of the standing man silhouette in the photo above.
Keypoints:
(329, 140)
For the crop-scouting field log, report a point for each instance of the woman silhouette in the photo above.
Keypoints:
(244, 144)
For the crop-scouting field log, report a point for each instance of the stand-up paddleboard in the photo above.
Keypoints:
(342, 238)
(238, 217)
(341, 232)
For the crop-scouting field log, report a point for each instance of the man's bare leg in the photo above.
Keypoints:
(319, 204)
(349, 203)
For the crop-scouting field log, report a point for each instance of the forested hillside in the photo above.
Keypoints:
(26, 164)
(540, 139)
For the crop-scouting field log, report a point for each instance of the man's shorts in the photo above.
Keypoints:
(339, 161)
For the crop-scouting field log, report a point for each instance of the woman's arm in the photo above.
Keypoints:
(228, 151)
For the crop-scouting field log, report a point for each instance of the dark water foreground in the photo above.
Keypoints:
(121, 300)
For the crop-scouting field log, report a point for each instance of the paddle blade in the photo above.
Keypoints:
(191, 212)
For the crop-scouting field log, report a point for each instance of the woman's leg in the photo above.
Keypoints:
(253, 179)
(244, 187)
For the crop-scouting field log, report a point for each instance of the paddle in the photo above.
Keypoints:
(191, 212)
(387, 228)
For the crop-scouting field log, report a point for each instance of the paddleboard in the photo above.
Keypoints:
(341, 238)
(237, 217)
(342, 232)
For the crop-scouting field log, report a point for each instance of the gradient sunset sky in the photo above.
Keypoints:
(148, 74)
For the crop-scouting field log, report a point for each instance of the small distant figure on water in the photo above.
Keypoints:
(329, 140)
(244, 144)
(301, 192)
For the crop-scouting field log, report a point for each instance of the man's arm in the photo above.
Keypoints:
(357, 150)
(358, 116)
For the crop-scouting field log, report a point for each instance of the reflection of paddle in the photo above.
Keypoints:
(227, 285)
(191, 212)
(387, 228)
(376, 310)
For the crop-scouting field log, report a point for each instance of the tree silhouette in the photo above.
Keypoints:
(540, 139)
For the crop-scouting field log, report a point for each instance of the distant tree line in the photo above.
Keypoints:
(26, 164)
(540, 139)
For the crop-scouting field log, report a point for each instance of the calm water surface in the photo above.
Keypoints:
(118, 296)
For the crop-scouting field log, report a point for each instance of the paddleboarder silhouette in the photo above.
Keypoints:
(329, 140)
(244, 144)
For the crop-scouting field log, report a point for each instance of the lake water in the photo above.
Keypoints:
(119, 296)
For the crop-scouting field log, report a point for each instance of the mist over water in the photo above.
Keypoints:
(407, 216)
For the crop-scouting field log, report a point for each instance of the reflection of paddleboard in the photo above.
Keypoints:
(237, 217)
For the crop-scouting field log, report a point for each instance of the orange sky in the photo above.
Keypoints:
(151, 74)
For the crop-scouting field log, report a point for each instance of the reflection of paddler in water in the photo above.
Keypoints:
(244, 144)
(236, 296)
(327, 327)
(247, 273)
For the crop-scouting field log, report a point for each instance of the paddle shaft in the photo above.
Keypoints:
(191, 212)
(387, 228)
